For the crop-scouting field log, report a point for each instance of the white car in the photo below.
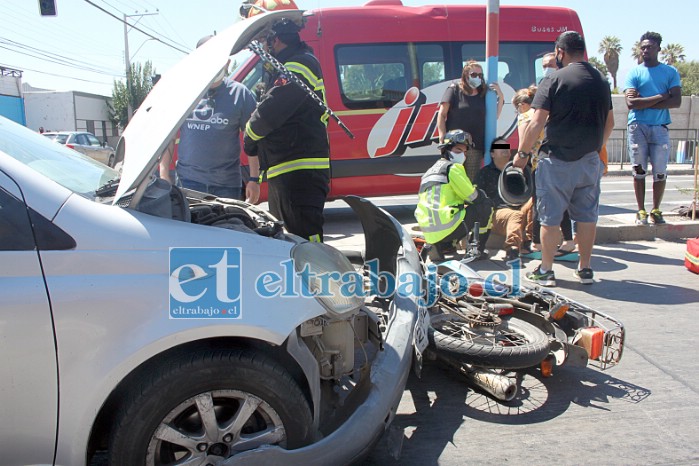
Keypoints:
(85, 143)
(159, 326)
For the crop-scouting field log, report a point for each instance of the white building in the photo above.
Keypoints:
(69, 111)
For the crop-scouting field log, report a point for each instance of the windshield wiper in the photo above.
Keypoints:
(108, 187)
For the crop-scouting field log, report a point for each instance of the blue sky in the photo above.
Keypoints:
(91, 42)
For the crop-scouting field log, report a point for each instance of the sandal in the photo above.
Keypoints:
(566, 256)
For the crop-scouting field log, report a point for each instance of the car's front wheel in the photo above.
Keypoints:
(207, 407)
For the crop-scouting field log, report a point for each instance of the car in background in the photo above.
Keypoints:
(163, 326)
(86, 143)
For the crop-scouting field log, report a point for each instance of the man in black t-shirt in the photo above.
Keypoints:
(574, 104)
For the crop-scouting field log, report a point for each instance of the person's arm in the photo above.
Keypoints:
(501, 98)
(636, 102)
(608, 127)
(531, 134)
(673, 101)
(460, 182)
(166, 160)
(442, 120)
(252, 188)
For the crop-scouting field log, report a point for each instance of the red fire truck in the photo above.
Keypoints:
(386, 67)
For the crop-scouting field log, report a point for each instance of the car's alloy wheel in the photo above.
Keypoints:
(206, 408)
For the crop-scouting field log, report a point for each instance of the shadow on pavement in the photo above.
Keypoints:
(443, 402)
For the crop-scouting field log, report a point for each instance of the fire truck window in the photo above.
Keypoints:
(519, 63)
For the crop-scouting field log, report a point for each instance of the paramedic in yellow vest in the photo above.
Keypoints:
(288, 133)
(448, 203)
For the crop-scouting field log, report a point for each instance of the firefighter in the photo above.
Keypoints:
(288, 131)
(448, 203)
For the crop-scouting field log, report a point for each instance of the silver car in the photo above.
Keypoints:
(160, 326)
(85, 143)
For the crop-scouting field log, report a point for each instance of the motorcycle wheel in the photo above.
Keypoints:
(513, 344)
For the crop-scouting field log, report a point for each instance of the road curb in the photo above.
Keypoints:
(668, 231)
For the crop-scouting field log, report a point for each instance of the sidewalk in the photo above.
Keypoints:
(613, 228)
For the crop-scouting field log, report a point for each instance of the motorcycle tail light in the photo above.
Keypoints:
(592, 339)
(505, 309)
(547, 365)
(559, 310)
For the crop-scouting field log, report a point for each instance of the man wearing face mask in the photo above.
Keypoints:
(548, 62)
(575, 107)
(448, 203)
(208, 151)
(288, 131)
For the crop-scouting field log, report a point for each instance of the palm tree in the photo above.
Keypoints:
(673, 53)
(636, 53)
(611, 47)
(601, 67)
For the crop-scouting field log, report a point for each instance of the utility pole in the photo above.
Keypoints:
(127, 60)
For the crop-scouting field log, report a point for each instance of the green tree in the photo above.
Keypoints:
(601, 67)
(636, 53)
(689, 74)
(611, 47)
(672, 54)
(139, 85)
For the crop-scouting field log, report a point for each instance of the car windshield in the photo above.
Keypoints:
(62, 138)
(69, 168)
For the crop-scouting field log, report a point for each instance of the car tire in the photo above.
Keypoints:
(209, 404)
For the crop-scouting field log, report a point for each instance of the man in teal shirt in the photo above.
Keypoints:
(651, 89)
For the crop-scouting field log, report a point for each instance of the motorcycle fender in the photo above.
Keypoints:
(577, 356)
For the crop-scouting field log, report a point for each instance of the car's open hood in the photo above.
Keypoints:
(174, 97)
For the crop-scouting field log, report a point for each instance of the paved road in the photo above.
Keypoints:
(643, 411)
(617, 196)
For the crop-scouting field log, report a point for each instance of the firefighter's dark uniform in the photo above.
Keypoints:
(288, 131)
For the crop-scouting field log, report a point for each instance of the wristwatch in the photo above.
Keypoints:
(254, 179)
(521, 153)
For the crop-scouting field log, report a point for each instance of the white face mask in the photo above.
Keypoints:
(474, 82)
(458, 157)
(548, 71)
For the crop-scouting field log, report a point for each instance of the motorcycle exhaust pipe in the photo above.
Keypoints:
(499, 386)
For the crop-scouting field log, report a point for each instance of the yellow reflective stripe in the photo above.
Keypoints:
(251, 133)
(298, 164)
(314, 238)
(693, 259)
(298, 68)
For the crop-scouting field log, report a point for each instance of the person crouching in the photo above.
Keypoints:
(448, 203)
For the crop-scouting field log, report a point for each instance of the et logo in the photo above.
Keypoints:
(205, 283)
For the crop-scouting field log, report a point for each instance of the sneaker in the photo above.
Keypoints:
(642, 217)
(586, 276)
(543, 279)
(656, 217)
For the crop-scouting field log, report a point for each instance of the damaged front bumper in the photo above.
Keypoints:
(392, 246)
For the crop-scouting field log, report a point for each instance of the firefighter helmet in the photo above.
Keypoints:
(251, 8)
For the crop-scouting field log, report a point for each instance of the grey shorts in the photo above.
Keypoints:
(649, 143)
(572, 186)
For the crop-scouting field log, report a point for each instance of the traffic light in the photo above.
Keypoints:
(47, 7)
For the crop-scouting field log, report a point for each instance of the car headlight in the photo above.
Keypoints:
(329, 276)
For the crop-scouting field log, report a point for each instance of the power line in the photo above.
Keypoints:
(136, 28)
(55, 74)
(52, 57)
